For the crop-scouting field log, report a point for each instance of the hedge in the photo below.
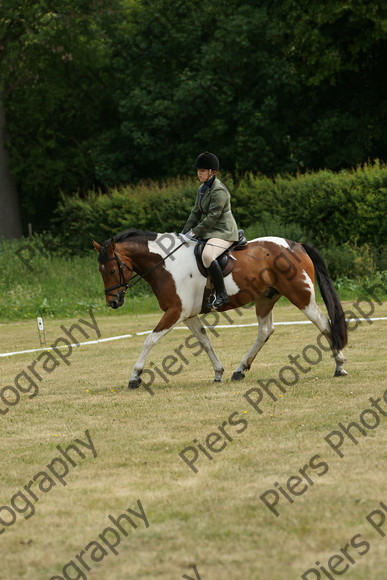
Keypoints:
(344, 210)
(330, 207)
(147, 206)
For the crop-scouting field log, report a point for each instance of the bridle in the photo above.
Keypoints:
(122, 283)
(136, 278)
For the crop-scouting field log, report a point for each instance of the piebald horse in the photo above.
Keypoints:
(268, 268)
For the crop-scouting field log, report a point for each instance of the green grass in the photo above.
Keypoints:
(53, 284)
(213, 518)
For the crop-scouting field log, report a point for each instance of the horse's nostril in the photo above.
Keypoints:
(113, 304)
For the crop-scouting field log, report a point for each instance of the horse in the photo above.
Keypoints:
(266, 269)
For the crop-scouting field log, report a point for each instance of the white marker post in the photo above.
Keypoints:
(42, 334)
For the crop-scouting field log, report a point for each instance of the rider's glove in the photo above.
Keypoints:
(187, 237)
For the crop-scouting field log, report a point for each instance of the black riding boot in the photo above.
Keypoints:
(218, 281)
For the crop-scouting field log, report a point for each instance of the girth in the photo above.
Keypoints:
(225, 260)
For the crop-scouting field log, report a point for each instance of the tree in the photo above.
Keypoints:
(10, 221)
(271, 86)
(338, 54)
(53, 57)
(202, 75)
(105, 92)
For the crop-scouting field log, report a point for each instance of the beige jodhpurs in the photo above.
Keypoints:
(213, 248)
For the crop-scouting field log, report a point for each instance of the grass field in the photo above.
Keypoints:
(211, 523)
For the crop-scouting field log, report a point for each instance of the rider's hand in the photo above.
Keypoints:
(188, 237)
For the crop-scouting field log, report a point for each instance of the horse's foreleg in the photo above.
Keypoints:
(265, 330)
(197, 328)
(167, 322)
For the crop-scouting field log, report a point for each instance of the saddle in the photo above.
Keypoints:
(226, 260)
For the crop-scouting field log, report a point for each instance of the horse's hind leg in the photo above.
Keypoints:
(313, 312)
(197, 328)
(265, 330)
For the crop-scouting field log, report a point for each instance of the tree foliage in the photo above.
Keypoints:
(338, 51)
(55, 86)
(108, 92)
(272, 87)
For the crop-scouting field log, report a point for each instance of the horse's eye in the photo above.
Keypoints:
(112, 271)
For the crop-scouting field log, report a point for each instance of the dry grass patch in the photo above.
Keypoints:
(213, 518)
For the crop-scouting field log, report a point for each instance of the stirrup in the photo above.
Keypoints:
(220, 299)
(211, 300)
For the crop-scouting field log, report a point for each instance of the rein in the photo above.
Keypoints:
(136, 278)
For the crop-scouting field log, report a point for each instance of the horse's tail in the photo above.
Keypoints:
(330, 297)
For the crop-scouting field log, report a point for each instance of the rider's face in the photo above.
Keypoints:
(204, 174)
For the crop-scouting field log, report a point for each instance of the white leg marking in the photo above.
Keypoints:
(196, 327)
(313, 312)
(149, 343)
(265, 330)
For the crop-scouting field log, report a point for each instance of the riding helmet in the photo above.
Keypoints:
(207, 160)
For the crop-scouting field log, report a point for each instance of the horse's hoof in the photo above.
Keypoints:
(237, 376)
(341, 373)
(135, 383)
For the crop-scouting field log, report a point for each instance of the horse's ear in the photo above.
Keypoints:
(113, 245)
(96, 246)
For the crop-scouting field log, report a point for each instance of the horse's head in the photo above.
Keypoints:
(115, 273)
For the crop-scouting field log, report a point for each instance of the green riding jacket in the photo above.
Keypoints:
(218, 222)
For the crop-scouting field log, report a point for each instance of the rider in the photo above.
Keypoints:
(218, 228)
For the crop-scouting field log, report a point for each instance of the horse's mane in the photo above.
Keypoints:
(133, 233)
(139, 236)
